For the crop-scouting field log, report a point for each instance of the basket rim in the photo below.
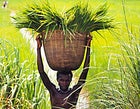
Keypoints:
(44, 34)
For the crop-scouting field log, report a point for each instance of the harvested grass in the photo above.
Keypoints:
(41, 16)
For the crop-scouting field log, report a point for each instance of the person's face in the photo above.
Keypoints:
(64, 82)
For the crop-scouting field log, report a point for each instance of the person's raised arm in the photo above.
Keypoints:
(84, 73)
(42, 73)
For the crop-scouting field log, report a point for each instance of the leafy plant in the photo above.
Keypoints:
(18, 90)
(130, 69)
(41, 16)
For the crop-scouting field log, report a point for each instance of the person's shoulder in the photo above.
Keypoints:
(53, 86)
(53, 89)
(75, 87)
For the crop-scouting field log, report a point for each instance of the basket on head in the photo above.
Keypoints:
(64, 52)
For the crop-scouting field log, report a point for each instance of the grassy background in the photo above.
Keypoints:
(104, 55)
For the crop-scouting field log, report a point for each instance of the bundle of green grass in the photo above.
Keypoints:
(68, 30)
(41, 16)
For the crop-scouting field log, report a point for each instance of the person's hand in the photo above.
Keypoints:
(88, 39)
(39, 41)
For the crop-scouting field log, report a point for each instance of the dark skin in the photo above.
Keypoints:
(64, 98)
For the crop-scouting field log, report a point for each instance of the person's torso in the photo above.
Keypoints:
(66, 100)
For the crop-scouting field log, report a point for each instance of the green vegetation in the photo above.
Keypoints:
(19, 90)
(114, 76)
(118, 85)
(41, 16)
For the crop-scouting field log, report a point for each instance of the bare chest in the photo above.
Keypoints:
(63, 100)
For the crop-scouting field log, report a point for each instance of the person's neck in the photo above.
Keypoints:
(64, 91)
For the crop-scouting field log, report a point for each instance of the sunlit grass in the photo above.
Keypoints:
(20, 84)
(116, 85)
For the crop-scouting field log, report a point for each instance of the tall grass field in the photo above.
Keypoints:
(114, 76)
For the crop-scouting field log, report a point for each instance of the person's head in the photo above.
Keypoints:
(64, 79)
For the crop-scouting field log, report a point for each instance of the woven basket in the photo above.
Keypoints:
(64, 53)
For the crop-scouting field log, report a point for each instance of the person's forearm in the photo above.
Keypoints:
(86, 66)
(42, 73)
(87, 59)
(40, 66)
(83, 76)
(39, 61)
